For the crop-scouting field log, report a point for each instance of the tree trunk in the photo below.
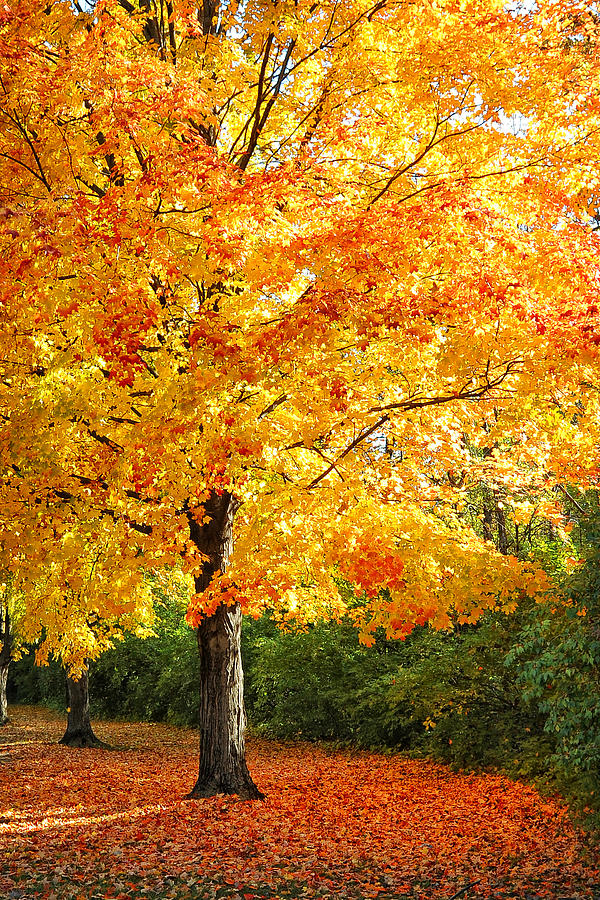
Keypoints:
(223, 768)
(488, 534)
(5, 657)
(79, 728)
(502, 533)
(3, 701)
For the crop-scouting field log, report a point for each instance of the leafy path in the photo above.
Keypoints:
(111, 823)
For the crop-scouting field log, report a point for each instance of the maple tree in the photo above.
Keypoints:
(76, 606)
(5, 658)
(11, 610)
(277, 271)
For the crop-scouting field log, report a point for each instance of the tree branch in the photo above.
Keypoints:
(464, 394)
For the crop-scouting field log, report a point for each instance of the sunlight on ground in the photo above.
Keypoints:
(63, 818)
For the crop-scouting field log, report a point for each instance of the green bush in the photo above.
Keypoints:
(28, 683)
(467, 699)
(557, 657)
(155, 679)
(320, 684)
(450, 696)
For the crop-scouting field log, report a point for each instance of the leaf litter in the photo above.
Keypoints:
(79, 824)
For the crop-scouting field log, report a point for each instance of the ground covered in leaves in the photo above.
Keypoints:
(78, 824)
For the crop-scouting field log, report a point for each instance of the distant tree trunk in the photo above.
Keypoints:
(502, 533)
(5, 657)
(488, 534)
(79, 731)
(494, 512)
(222, 768)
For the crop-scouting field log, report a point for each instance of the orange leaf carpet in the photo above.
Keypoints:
(112, 823)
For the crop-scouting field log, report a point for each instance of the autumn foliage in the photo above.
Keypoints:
(336, 823)
(260, 251)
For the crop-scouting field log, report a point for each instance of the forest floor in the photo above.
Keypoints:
(79, 824)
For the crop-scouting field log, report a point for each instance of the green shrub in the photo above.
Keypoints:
(467, 699)
(557, 657)
(448, 695)
(320, 684)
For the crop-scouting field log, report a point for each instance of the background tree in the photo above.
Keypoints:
(253, 247)
(11, 611)
(83, 600)
(5, 658)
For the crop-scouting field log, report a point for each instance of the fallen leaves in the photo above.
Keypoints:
(113, 824)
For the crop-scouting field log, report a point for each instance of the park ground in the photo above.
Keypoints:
(78, 824)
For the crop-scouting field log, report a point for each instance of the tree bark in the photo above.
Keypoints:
(79, 731)
(3, 700)
(222, 768)
(488, 534)
(5, 658)
(502, 532)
